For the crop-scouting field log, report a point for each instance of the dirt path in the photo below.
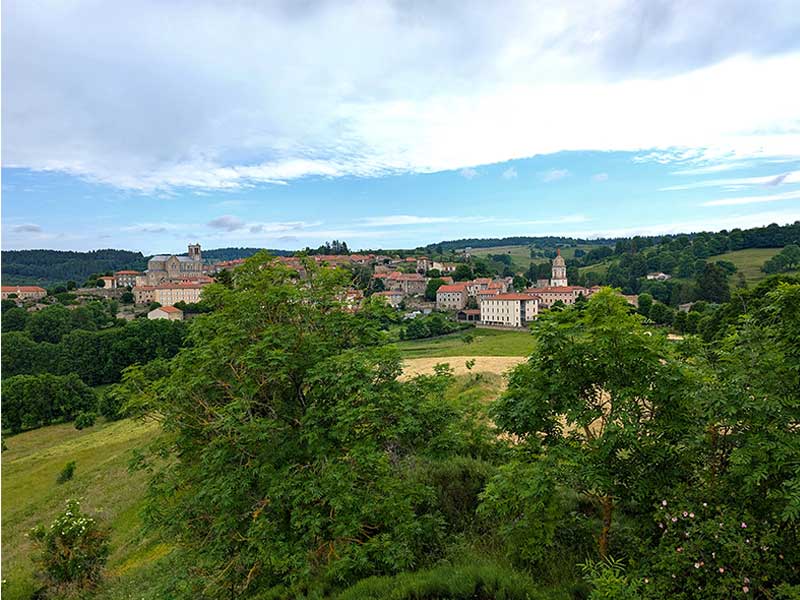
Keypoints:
(483, 364)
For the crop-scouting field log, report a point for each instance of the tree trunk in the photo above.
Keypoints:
(607, 504)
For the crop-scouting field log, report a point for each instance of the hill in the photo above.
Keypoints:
(749, 262)
(102, 481)
(48, 267)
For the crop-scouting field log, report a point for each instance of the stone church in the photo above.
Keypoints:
(559, 271)
(165, 267)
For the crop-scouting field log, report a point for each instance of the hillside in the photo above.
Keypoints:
(749, 262)
(48, 267)
(31, 464)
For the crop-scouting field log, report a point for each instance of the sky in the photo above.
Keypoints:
(389, 124)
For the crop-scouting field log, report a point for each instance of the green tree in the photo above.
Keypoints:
(49, 324)
(14, 319)
(712, 284)
(291, 439)
(661, 314)
(520, 282)
(589, 396)
(645, 303)
(430, 289)
(463, 273)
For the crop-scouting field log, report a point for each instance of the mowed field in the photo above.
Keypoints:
(749, 261)
(485, 342)
(102, 482)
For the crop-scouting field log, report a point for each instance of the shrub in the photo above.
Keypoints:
(72, 551)
(85, 419)
(458, 482)
(609, 581)
(454, 582)
(66, 473)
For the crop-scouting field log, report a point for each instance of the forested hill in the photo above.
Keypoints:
(47, 267)
(770, 236)
(234, 253)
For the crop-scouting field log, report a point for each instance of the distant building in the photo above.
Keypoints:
(144, 294)
(168, 294)
(109, 283)
(23, 292)
(559, 271)
(469, 315)
(410, 283)
(126, 279)
(164, 267)
(509, 310)
(393, 297)
(166, 312)
(567, 294)
(658, 276)
(452, 297)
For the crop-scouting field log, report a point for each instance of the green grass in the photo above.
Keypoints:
(486, 342)
(749, 262)
(102, 482)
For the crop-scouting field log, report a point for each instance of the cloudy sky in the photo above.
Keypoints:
(149, 124)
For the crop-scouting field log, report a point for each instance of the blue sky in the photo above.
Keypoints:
(392, 124)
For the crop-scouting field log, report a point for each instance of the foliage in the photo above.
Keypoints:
(712, 284)
(290, 437)
(53, 266)
(66, 473)
(37, 400)
(85, 419)
(72, 551)
(430, 326)
(786, 260)
(481, 581)
(610, 581)
(430, 289)
(590, 393)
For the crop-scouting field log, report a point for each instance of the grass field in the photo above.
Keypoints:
(102, 482)
(486, 342)
(749, 262)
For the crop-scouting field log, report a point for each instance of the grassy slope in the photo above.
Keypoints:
(749, 262)
(30, 494)
(487, 342)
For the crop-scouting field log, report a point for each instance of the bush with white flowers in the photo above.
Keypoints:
(72, 551)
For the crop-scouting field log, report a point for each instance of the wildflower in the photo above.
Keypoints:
(661, 526)
(674, 519)
(646, 580)
(747, 580)
(705, 503)
(679, 549)
(745, 589)
(691, 515)
(697, 565)
(744, 525)
(722, 569)
(685, 514)
(663, 503)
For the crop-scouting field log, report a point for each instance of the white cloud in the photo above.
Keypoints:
(510, 173)
(554, 175)
(754, 199)
(468, 173)
(600, 177)
(157, 94)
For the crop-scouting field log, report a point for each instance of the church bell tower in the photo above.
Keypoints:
(559, 273)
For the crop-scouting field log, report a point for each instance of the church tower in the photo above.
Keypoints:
(194, 252)
(559, 277)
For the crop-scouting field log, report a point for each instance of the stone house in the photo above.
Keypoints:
(166, 312)
(509, 310)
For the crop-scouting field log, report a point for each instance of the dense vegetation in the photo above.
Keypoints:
(53, 357)
(623, 464)
(48, 267)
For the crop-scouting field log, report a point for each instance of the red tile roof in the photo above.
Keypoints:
(127, 273)
(556, 289)
(456, 287)
(169, 309)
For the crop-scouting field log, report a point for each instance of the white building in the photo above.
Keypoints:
(509, 310)
(166, 312)
(559, 272)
